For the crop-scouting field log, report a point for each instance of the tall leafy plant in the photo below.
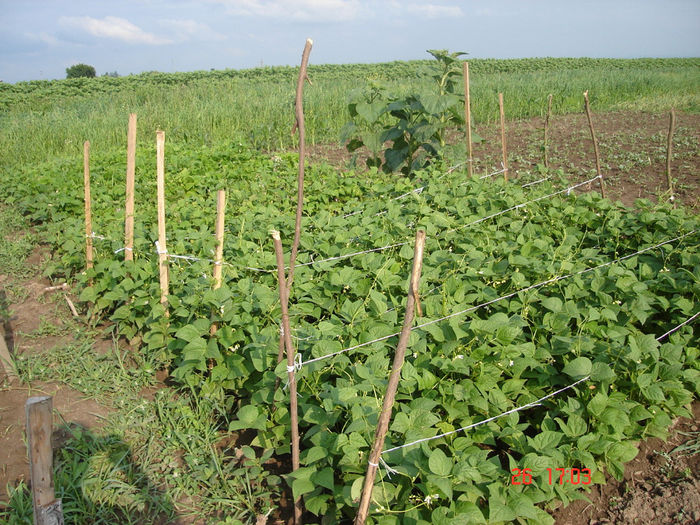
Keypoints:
(415, 125)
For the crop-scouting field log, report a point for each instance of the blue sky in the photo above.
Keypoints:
(40, 39)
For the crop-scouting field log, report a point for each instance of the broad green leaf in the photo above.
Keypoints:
(578, 368)
(439, 463)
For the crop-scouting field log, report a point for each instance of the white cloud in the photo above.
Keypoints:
(435, 10)
(300, 10)
(112, 27)
(183, 30)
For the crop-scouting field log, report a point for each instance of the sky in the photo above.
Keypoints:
(40, 39)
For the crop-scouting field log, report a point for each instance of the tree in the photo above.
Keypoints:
(80, 70)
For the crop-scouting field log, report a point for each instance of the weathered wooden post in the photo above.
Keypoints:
(47, 509)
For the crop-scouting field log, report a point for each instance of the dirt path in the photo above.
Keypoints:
(34, 321)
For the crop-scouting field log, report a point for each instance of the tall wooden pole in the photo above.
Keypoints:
(546, 130)
(468, 117)
(162, 244)
(89, 257)
(219, 254)
(390, 395)
(669, 152)
(595, 143)
(503, 136)
(130, 174)
(298, 125)
(291, 376)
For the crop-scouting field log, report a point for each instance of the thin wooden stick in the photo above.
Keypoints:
(468, 117)
(130, 174)
(595, 143)
(669, 152)
(220, 220)
(291, 376)
(6, 362)
(385, 416)
(298, 124)
(88, 206)
(546, 130)
(219, 255)
(503, 136)
(71, 306)
(47, 509)
(63, 286)
(162, 244)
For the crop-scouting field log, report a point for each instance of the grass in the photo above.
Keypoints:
(154, 457)
(214, 108)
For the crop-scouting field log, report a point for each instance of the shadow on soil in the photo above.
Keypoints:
(98, 481)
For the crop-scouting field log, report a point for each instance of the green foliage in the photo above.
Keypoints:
(601, 323)
(42, 119)
(415, 124)
(80, 71)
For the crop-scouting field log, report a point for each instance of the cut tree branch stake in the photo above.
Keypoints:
(669, 152)
(468, 117)
(286, 335)
(298, 124)
(385, 416)
(503, 136)
(595, 143)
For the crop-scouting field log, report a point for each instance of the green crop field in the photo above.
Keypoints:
(525, 291)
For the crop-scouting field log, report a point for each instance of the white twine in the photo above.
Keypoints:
(417, 191)
(339, 257)
(521, 205)
(679, 326)
(201, 259)
(389, 246)
(491, 174)
(507, 296)
(473, 425)
(123, 249)
(93, 235)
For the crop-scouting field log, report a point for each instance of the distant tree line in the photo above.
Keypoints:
(86, 71)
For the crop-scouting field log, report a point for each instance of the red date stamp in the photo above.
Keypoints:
(561, 476)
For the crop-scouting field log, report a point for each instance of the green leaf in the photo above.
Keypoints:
(301, 487)
(578, 368)
(623, 451)
(439, 463)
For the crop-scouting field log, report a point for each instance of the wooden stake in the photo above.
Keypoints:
(546, 130)
(595, 143)
(219, 255)
(503, 136)
(47, 509)
(298, 124)
(88, 206)
(291, 376)
(6, 362)
(385, 416)
(669, 152)
(220, 216)
(468, 117)
(162, 244)
(130, 175)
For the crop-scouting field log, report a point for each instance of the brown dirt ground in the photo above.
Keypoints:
(660, 486)
(35, 322)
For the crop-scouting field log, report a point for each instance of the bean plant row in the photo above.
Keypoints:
(601, 324)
